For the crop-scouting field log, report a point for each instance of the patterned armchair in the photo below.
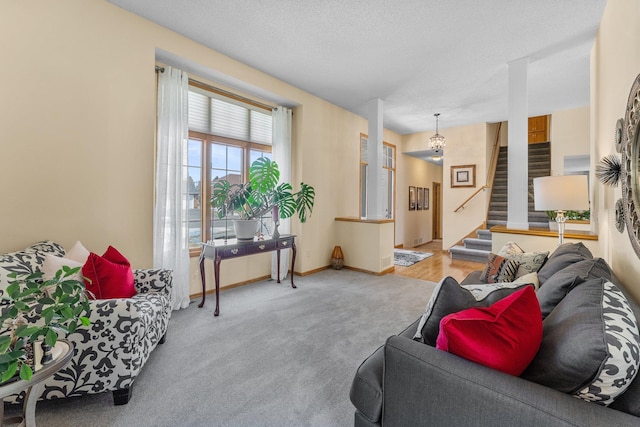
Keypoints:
(110, 353)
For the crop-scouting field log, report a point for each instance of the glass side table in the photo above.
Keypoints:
(62, 353)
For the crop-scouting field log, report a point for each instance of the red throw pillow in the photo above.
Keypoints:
(110, 274)
(505, 336)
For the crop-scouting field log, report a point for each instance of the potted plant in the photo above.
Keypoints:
(34, 309)
(260, 195)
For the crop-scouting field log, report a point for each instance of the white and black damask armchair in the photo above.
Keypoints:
(109, 353)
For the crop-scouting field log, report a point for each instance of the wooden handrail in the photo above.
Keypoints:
(471, 197)
(492, 173)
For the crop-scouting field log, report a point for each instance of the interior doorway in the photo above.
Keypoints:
(437, 217)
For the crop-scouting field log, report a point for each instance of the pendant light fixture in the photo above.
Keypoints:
(437, 142)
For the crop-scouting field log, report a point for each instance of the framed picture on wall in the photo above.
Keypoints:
(463, 176)
(412, 198)
(419, 198)
(426, 198)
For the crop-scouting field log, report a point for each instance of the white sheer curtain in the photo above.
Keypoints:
(282, 156)
(170, 242)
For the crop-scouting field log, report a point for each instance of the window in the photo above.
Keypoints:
(224, 139)
(388, 177)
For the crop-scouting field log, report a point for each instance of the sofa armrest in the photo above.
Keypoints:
(423, 385)
(154, 280)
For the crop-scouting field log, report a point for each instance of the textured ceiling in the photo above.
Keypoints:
(419, 56)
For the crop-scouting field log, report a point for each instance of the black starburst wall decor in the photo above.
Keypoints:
(609, 169)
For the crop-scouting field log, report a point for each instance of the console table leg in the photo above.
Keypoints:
(204, 286)
(216, 273)
(293, 260)
(278, 271)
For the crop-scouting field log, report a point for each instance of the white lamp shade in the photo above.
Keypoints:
(561, 193)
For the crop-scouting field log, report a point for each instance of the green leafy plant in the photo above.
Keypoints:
(57, 306)
(261, 193)
(570, 215)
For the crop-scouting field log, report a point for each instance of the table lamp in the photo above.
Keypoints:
(561, 194)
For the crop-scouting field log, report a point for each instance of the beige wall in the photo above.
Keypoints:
(78, 129)
(414, 227)
(569, 136)
(466, 145)
(615, 63)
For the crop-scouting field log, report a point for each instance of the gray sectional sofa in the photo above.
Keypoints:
(406, 382)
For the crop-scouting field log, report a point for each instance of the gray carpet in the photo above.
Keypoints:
(276, 356)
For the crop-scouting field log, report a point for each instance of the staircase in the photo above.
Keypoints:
(477, 249)
(539, 165)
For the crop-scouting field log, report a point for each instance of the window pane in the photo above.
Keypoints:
(218, 156)
(255, 155)
(234, 158)
(364, 155)
(363, 191)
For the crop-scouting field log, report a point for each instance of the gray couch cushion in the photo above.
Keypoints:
(449, 297)
(558, 286)
(590, 345)
(562, 257)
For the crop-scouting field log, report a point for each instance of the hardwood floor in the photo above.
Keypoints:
(438, 265)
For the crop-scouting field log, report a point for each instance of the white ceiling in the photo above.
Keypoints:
(419, 56)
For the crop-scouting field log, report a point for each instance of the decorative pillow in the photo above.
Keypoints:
(109, 275)
(481, 291)
(28, 260)
(75, 257)
(504, 336)
(54, 263)
(510, 248)
(590, 346)
(499, 269)
(449, 297)
(531, 278)
(78, 253)
(560, 284)
(564, 255)
(529, 262)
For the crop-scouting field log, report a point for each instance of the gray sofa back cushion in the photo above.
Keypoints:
(590, 345)
(560, 284)
(565, 255)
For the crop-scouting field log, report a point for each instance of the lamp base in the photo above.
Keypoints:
(560, 219)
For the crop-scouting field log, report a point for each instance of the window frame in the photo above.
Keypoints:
(384, 167)
(207, 141)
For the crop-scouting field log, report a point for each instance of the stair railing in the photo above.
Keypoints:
(490, 177)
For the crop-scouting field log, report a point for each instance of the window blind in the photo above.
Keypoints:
(218, 117)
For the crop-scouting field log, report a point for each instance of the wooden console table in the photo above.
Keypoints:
(217, 250)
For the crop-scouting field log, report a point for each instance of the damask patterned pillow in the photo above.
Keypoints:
(28, 260)
(510, 248)
(499, 269)
(529, 262)
(591, 344)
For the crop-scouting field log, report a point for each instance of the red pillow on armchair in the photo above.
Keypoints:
(110, 275)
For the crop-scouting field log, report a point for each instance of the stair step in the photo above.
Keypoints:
(474, 243)
(483, 234)
(492, 222)
(461, 253)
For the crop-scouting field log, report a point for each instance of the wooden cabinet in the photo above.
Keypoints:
(538, 129)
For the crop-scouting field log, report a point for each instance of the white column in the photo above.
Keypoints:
(376, 179)
(518, 175)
